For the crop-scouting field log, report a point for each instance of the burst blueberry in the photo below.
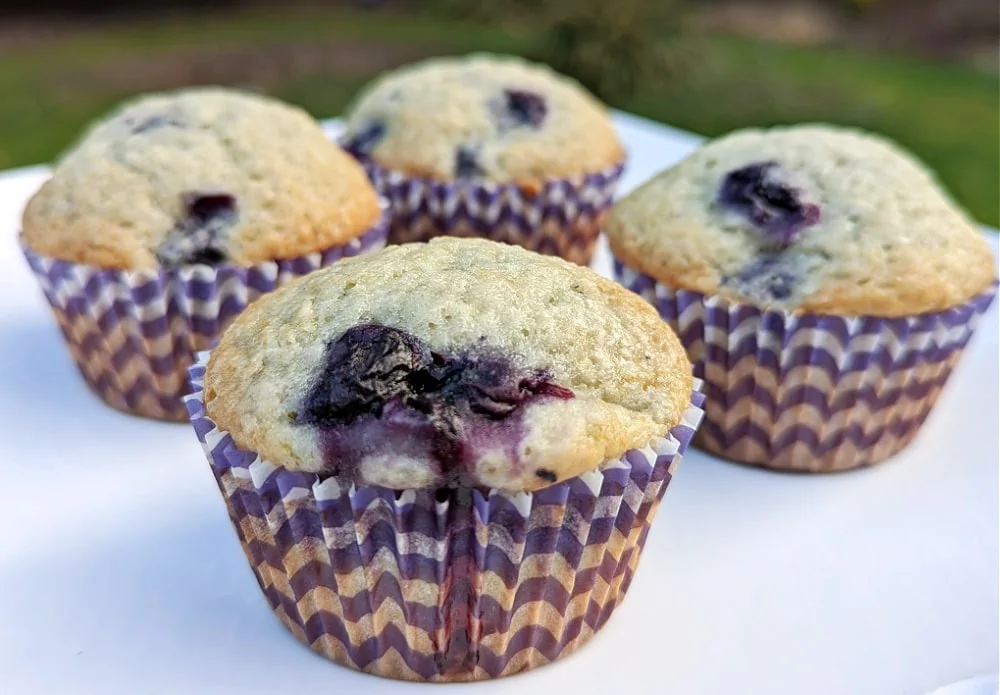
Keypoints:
(377, 378)
(200, 237)
(364, 141)
(525, 108)
(366, 367)
(203, 209)
(772, 207)
(466, 164)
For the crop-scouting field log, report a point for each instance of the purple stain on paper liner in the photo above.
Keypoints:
(200, 236)
(383, 391)
(770, 205)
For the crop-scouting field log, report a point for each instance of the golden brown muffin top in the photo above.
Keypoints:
(457, 361)
(483, 117)
(200, 175)
(813, 218)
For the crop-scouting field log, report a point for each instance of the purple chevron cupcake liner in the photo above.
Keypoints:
(133, 334)
(446, 585)
(562, 218)
(810, 392)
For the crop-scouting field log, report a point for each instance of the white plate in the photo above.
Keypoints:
(119, 572)
(981, 685)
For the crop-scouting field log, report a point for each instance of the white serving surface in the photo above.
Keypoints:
(120, 572)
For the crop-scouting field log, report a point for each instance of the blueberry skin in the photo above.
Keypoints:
(772, 207)
(466, 164)
(525, 108)
(381, 388)
(203, 209)
(365, 140)
(365, 367)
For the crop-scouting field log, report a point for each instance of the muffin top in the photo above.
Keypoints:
(456, 362)
(496, 118)
(200, 176)
(812, 218)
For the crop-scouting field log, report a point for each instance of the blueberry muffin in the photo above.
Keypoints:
(489, 146)
(478, 433)
(822, 281)
(203, 176)
(172, 213)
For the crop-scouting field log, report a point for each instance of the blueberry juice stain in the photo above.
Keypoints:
(771, 277)
(384, 394)
(774, 209)
(199, 237)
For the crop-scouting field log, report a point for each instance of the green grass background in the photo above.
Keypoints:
(949, 115)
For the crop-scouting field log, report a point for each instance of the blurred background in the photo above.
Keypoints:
(924, 72)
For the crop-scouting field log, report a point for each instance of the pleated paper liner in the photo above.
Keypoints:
(446, 585)
(134, 334)
(563, 218)
(809, 392)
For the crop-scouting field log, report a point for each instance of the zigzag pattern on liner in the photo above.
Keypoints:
(563, 218)
(418, 586)
(811, 392)
(574, 242)
(134, 334)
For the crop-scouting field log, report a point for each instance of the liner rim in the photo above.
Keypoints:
(806, 392)
(610, 174)
(792, 316)
(208, 273)
(677, 438)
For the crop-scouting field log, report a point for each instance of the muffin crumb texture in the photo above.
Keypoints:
(457, 362)
(813, 218)
(203, 175)
(482, 117)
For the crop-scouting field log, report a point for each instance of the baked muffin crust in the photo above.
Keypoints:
(813, 218)
(482, 117)
(581, 369)
(204, 175)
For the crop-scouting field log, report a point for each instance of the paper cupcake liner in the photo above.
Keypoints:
(133, 334)
(563, 219)
(446, 585)
(810, 392)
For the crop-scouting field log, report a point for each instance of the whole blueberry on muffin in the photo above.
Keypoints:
(481, 428)
(529, 157)
(208, 194)
(823, 282)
